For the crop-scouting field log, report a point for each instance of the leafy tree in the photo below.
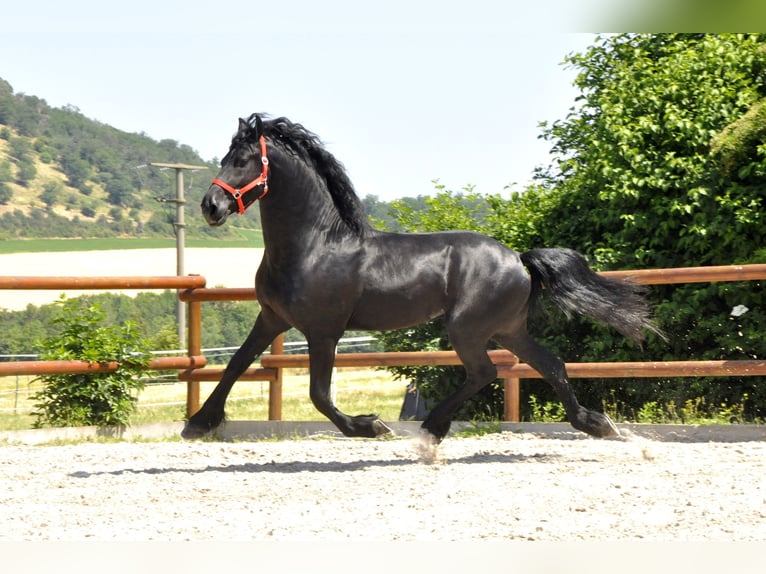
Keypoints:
(26, 173)
(446, 210)
(6, 193)
(7, 108)
(635, 162)
(662, 164)
(76, 169)
(51, 194)
(119, 191)
(19, 148)
(6, 175)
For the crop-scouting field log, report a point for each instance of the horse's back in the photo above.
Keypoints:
(410, 278)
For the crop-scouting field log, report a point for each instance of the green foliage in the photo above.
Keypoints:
(698, 411)
(546, 412)
(735, 144)
(52, 192)
(6, 174)
(518, 220)
(477, 428)
(639, 185)
(101, 399)
(152, 315)
(445, 210)
(6, 194)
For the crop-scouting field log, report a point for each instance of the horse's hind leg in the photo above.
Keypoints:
(480, 371)
(321, 360)
(554, 372)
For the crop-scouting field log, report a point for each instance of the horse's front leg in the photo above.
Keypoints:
(211, 415)
(322, 358)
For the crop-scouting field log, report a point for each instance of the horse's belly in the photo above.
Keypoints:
(394, 311)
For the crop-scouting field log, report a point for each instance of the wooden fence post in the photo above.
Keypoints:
(511, 402)
(195, 348)
(275, 385)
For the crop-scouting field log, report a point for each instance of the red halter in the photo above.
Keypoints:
(262, 179)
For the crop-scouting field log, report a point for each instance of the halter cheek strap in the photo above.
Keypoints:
(262, 179)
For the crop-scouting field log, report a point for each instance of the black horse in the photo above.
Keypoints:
(326, 270)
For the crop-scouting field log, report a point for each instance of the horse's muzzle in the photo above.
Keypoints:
(216, 206)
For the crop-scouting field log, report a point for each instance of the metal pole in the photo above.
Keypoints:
(180, 239)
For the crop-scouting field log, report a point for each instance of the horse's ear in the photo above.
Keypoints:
(243, 128)
(258, 125)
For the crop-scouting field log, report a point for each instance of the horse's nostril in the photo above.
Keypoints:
(214, 212)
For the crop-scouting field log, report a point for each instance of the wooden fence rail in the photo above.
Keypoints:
(192, 361)
(191, 368)
(126, 282)
(712, 274)
(84, 367)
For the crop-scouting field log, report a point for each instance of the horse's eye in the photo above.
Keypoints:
(241, 159)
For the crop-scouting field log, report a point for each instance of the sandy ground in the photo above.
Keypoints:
(233, 267)
(499, 487)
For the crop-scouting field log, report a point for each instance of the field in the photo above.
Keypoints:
(250, 238)
(228, 267)
(357, 392)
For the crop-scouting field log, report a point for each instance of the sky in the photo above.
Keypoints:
(402, 93)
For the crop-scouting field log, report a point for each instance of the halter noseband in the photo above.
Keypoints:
(262, 179)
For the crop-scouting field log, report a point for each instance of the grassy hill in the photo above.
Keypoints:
(64, 175)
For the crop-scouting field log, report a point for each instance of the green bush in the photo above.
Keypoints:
(100, 399)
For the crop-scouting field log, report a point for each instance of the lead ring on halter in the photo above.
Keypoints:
(262, 179)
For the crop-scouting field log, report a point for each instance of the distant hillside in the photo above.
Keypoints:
(64, 175)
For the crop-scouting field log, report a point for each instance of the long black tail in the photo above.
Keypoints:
(565, 277)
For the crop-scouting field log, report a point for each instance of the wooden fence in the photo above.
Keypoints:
(99, 283)
(510, 371)
(192, 367)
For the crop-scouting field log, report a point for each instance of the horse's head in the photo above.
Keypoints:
(243, 178)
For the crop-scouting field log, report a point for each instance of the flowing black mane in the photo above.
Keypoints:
(307, 146)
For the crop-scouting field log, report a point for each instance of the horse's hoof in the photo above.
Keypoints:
(191, 432)
(428, 447)
(595, 424)
(380, 428)
(601, 426)
(610, 429)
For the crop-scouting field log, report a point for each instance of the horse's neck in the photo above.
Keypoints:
(297, 216)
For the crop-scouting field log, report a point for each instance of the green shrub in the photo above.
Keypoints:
(100, 399)
(546, 412)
